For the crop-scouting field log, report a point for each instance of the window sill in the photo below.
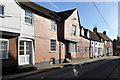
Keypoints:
(53, 52)
(28, 24)
(2, 16)
(53, 30)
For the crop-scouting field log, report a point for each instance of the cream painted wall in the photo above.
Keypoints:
(11, 18)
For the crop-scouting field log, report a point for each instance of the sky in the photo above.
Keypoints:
(89, 16)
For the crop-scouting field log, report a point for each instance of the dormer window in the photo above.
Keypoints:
(82, 32)
(73, 30)
(88, 34)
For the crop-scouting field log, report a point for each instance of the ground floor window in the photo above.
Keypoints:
(81, 50)
(72, 47)
(88, 50)
(53, 45)
(3, 49)
(95, 49)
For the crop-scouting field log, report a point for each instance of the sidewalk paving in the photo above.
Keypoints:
(57, 66)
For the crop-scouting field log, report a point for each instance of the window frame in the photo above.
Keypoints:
(74, 34)
(81, 50)
(3, 9)
(55, 25)
(55, 45)
(72, 47)
(105, 42)
(6, 48)
(87, 49)
(29, 17)
(78, 49)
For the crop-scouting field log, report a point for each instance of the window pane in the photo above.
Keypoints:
(28, 47)
(74, 30)
(21, 52)
(2, 10)
(21, 42)
(53, 25)
(53, 45)
(28, 17)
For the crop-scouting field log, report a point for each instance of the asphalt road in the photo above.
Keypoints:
(104, 69)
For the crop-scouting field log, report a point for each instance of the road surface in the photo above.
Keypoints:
(104, 69)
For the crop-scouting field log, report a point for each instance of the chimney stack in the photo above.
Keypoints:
(118, 38)
(95, 29)
(104, 32)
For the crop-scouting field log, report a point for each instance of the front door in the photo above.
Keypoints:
(25, 52)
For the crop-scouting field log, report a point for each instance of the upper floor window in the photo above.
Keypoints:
(3, 49)
(1, 10)
(73, 30)
(105, 42)
(110, 43)
(53, 25)
(52, 45)
(82, 32)
(28, 17)
(88, 34)
(78, 49)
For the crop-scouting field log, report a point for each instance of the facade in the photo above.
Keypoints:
(108, 45)
(84, 43)
(116, 47)
(69, 32)
(43, 37)
(17, 35)
(94, 42)
(9, 33)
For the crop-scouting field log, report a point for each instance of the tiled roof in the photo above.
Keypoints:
(38, 9)
(93, 36)
(65, 14)
(105, 37)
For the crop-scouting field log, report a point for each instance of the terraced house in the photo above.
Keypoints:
(84, 43)
(33, 35)
(17, 30)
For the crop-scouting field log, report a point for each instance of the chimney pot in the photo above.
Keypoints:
(104, 32)
(95, 29)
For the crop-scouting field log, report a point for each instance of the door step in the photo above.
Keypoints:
(67, 60)
(26, 68)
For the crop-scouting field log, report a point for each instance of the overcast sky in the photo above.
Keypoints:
(89, 16)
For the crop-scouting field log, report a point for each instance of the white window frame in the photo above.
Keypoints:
(78, 49)
(51, 25)
(74, 32)
(3, 9)
(29, 17)
(82, 32)
(110, 43)
(88, 34)
(55, 46)
(87, 49)
(81, 49)
(105, 42)
(7, 48)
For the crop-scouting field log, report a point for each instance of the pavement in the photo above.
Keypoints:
(56, 66)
